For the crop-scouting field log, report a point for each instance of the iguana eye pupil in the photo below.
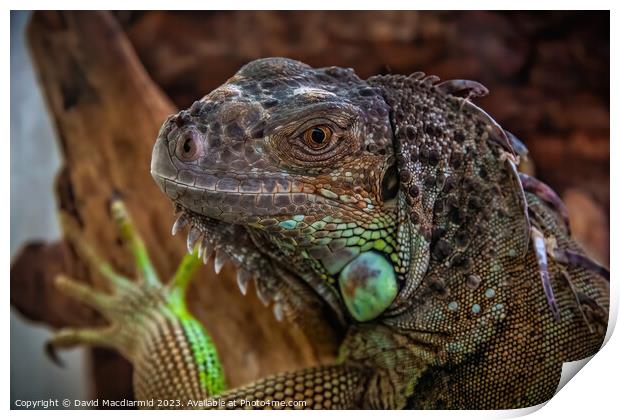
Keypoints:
(317, 137)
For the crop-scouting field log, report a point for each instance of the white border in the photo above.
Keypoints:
(592, 395)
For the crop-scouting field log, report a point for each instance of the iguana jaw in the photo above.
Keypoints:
(255, 199)
(212, 200)
(221, 208)
(227, 242)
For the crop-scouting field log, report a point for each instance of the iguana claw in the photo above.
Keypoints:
(540, 250)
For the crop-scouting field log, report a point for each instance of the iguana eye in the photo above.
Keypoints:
(317, 137)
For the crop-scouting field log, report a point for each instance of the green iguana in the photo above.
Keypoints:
(390, 210)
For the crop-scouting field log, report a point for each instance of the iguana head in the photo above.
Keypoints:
(300, 161)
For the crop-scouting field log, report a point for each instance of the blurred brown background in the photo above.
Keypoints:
(548, 73)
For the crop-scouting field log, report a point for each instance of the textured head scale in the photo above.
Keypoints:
(246, 139)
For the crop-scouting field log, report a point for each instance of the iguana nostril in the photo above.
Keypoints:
(189, 146)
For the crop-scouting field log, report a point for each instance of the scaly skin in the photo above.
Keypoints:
(389, 211)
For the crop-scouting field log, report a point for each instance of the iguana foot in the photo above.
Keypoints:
(149, 322)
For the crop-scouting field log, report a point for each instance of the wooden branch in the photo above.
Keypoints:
(107, 114)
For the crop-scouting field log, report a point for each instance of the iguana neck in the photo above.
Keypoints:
(330, 243)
